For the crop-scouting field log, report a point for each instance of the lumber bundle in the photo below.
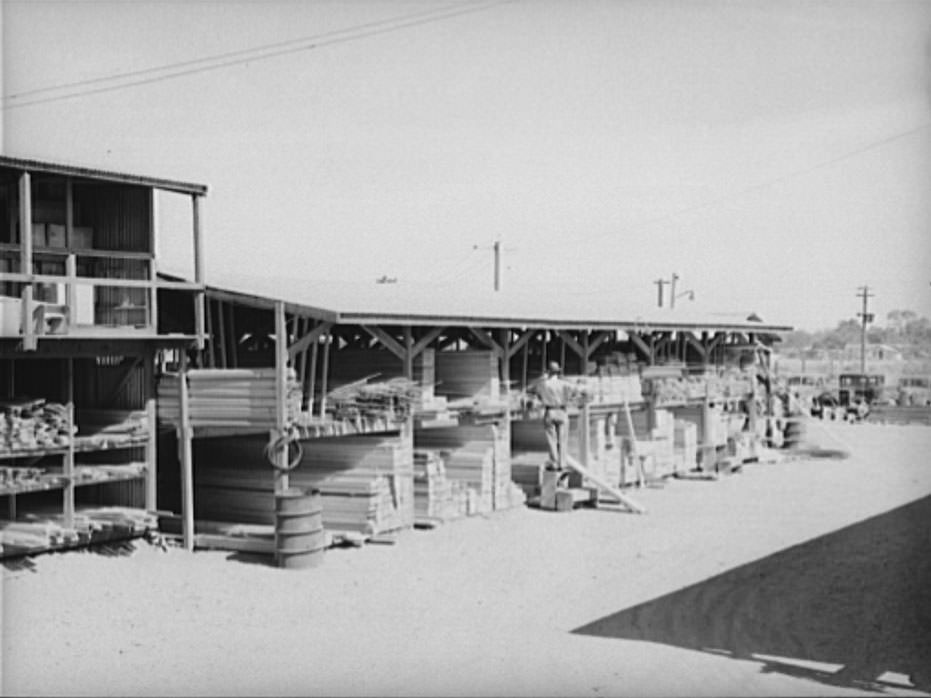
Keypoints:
(467, 374)
(685, 443)
(611, 389)
(240, 397)
(39, 532)
(28, 424)
(435, 497)
(366, 482)
(392, 399)
(478, 456)
(729, 385)
(98, 428)
(15, 480)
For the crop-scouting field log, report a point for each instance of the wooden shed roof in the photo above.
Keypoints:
(105, 175)
(413, 304)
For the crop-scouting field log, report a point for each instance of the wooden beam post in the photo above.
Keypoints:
(68, 467)
(151, 451)
(25, 259)
(187, 465)
(281, 397)
(408, 353)
(324, 378)
(200, 298)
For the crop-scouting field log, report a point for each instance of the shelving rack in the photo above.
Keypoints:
(80, 328)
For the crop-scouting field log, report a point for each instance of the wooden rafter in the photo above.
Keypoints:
(521, 342)
(572, 343)
(309, 338)
(424, 341)
(485, 338)
(393, 345)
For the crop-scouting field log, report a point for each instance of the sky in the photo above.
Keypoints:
(775, 156)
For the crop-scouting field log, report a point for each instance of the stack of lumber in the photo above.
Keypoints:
(351, 365)
(27, 424)
(469, 374)
(685, 442)
(232, 397)
(15, 480)
(663, 437)
(611, 389)
(98, 428)
(433, 491)
(477, 455)
(392, 399)
(525, 473)
(366, 482)
(38, 532)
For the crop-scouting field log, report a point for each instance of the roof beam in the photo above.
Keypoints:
(309, 338)
(519, 344)
(393, 345)
(487, 340)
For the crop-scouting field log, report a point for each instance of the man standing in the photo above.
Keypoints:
(555, 393)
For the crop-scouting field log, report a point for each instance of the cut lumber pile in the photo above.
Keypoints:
(613, 389)
(240, 397)
(479, 456)
(685, 443)
(525, 473)
(434, 497)
(366, 482)
(98, 428)
(468, 374)
(15, 480)
(28, 424)
(392, 399)
(39, 532)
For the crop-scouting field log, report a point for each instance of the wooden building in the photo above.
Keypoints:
(80, 335)
(470, 358)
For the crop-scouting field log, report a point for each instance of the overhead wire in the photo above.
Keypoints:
(725, 198)
(233, 58)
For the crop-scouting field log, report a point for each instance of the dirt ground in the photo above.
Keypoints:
(805, 577)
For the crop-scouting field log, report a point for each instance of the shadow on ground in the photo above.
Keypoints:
(858, 598)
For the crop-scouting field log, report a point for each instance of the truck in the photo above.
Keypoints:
(854, 387)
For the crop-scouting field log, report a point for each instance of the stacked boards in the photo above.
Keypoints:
(28, 424)
(479, 458)
(240, 397)
(366, 482)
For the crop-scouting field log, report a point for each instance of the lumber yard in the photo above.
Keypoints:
(282, 416)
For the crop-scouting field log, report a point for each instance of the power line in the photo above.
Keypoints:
(746, 190)
(218, 56)
(194, 66)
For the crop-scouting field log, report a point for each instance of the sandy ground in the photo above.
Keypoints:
(723, 588)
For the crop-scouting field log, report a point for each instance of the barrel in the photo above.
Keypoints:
(300, 540)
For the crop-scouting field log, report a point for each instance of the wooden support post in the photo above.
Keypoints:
(585, 425)
(312, 383)
(151, 451)
(281, 397)
(200, 298)
(187, 466)
(70, 260)
(152, 311)
(408, 353)
(324, 377)
(211, 350)
(221, 334)
(68, 467)
(25, 234)
(233, 356)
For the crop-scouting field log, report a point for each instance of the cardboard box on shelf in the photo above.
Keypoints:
(39, 238)
(55, 235)
(82, 237)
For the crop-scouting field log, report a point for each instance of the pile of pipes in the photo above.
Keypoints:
(29, 424)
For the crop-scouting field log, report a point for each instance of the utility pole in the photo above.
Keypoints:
(672, 290)
(659, 287)
(865, 317)
(497, 249)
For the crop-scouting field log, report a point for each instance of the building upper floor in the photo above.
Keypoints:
(78, 251)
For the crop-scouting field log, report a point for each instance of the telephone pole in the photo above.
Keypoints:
(497, 248)
(865, 318)
(659, 287)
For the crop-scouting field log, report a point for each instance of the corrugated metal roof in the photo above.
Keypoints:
(406, 303)
(91, 173)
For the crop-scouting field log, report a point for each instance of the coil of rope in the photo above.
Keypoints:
(285, 440)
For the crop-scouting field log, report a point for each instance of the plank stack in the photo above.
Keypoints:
(479, 456)
(28, 424)
(366, 482)
(434, 499)
(97, 428)
(241, 397)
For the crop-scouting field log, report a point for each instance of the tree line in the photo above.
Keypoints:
(903, 329)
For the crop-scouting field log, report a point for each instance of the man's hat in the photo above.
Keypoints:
(554, 367)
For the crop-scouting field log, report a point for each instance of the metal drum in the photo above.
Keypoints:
(300, 540)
